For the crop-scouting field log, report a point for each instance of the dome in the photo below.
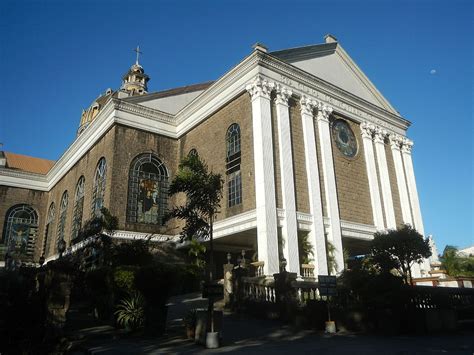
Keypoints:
(91, 113)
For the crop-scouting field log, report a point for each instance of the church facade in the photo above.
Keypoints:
(307, 146)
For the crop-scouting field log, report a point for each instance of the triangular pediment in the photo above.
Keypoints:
(331, 63)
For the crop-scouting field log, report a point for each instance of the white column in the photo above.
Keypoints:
(384, 178)
(267, 232)
(290, 225)
(367, 131)
(412, 190)
(395, 142)
(334, 235)
(316, 235)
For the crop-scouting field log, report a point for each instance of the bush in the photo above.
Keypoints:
(131, 311)
(132, 253)
(124, 278)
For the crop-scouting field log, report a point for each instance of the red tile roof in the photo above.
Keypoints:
(27, 163)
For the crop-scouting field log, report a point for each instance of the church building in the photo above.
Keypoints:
(307, 146)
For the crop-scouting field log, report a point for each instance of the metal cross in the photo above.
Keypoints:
(137, 50)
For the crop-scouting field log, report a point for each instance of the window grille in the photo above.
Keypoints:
(233, 160)
(78, 209)
(62, 217)
(49, 229)
(147, 190)
(20, 232)
(98, 191)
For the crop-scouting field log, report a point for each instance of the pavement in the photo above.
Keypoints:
(246, 335)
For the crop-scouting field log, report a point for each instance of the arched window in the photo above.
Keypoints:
(48, 233)
(99, 187)
(78, 208)
(193, 153)
(20, 232)
(233, 140)
(233, 159)
(62, 217)
(147, 190)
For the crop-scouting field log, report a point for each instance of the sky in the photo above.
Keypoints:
(56, 57)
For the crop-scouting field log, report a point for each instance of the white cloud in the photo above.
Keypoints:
(433, 71)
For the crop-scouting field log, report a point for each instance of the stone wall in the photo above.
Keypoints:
(12, 196)
(352, 182)
(209, 139)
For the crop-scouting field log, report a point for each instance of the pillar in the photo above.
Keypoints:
(334, 235)
(367, 131)
(290, 224)
(316, 235)
(267, 233)
(379, 139)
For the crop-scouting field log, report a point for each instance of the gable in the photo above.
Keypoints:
(332, 64)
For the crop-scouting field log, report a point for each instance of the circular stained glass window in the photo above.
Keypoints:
(345, 140)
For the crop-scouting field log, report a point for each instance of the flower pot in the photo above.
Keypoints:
(331, 327)
(212, 340)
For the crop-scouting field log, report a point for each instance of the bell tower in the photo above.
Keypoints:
(135, 80)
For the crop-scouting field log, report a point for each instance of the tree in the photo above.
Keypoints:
(399, 249)
(455, 264)
(203, 190)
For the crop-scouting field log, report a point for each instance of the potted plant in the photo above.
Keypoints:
(189, 321)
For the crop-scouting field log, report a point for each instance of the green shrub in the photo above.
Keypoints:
(131, 311)
(124, 278)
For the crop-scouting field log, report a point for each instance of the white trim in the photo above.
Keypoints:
(235, 224)
(366, 131)
(317, 232)
(332, 203)
(384, 179)
(357, 230)
(412, 190)
(401, 182)
(289, 226)
(264, 172)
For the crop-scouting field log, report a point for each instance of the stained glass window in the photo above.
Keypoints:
(193, 153)
(98, 191)
(147, 190)
(62, 217)
(345, 139)
(49, 229)
(233, 159)
(20, 232)
(78, 208)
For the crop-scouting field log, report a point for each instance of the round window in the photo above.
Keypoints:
(345, 139)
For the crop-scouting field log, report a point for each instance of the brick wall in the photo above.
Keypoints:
(393, 185)
(209, 139)
(352, 182)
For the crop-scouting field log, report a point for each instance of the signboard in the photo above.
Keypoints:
(212, 290)
(327, 285)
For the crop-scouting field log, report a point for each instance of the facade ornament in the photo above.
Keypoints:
(282, 95)
(367, 130)
(395, 140)
(260, 87)
(307, 105)
(380, 134)
(324, 111)
(407, 145)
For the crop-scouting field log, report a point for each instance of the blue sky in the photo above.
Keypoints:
(56, 57)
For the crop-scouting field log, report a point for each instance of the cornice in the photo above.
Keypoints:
(144, 111)
(304, 83)
(22, 179)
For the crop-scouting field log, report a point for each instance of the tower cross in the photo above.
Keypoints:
(137, 50)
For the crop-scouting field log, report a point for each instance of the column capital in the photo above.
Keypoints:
(407, 145)
(260, 87)
(379, 135)
(283, 94)
(367, 130)
(307, 105)
(324, 111)
(395, 140)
